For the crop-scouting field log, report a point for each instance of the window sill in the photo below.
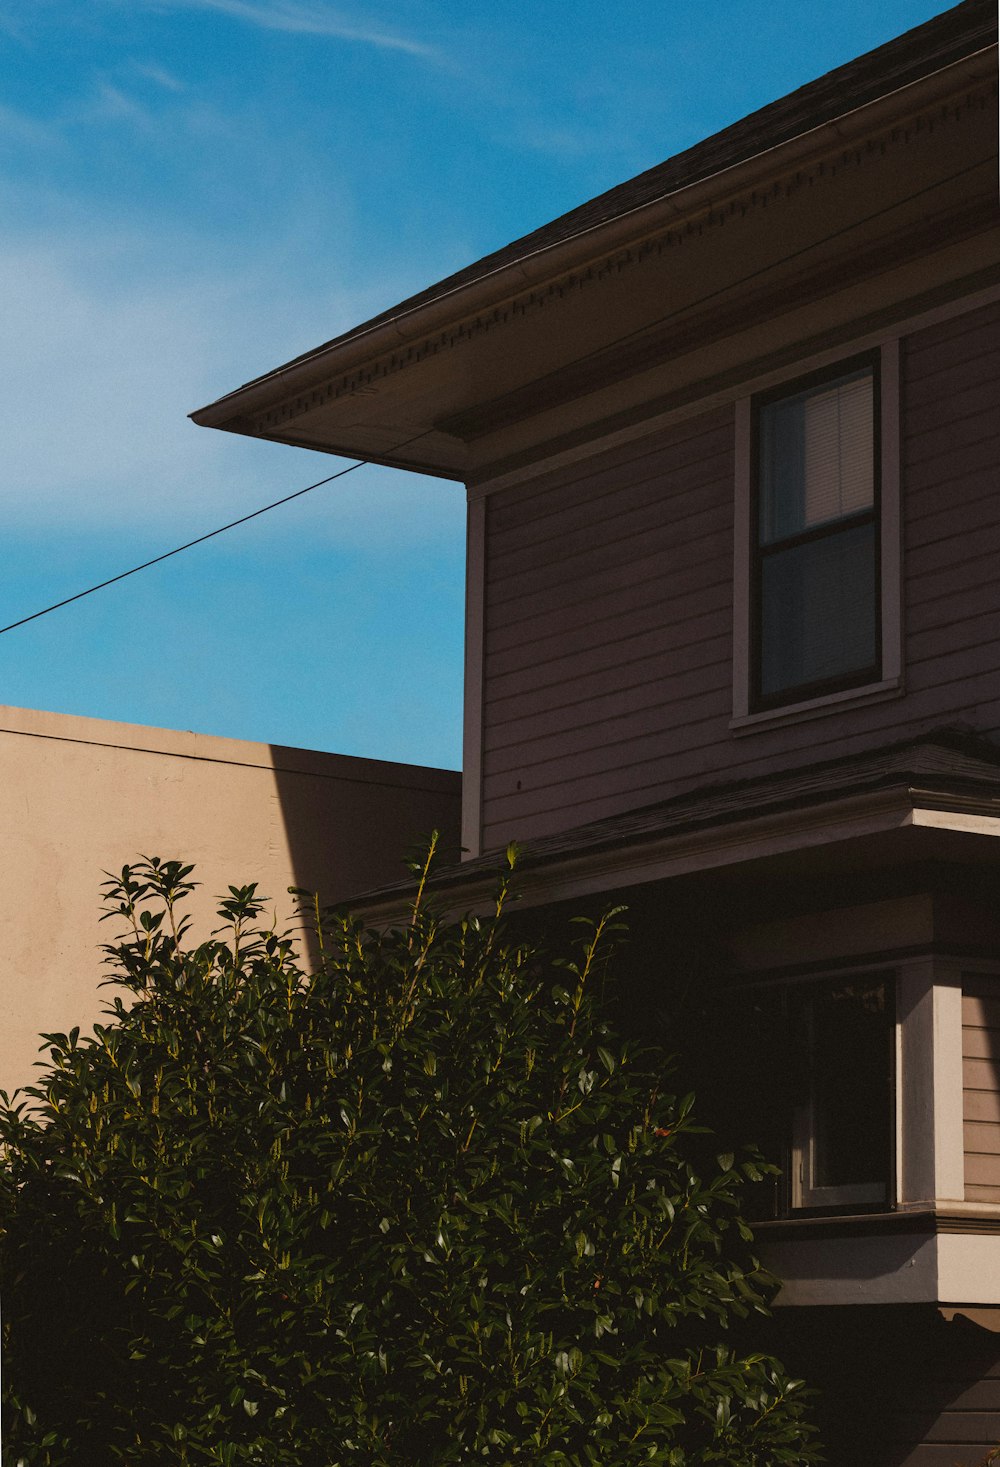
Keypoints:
(880, 692)
(847, 1225)
(945, 1217)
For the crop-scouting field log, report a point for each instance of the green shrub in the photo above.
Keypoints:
(418, 1206)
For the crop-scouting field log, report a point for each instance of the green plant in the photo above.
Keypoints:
(419, 1206)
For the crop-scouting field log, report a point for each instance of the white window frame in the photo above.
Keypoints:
(928, 1167)
(803, 1133)
(889, 683)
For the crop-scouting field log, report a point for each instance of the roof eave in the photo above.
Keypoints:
(235, 411)
(616, 866)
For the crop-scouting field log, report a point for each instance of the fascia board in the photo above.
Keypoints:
(586, 248)
(687, 852)
(678, 854)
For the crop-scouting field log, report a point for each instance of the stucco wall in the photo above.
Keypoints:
(80, 796)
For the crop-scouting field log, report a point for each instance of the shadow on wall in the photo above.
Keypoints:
(351, 825)
(80, 797)
(940, 1408)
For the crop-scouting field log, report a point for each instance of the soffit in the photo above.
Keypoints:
(948, 38)
(876, 189)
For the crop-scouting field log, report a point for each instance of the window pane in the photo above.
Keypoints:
(818, 610)
(816, 457)
(849, 1086)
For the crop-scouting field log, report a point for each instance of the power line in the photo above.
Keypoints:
(200, 540)
(576, 361)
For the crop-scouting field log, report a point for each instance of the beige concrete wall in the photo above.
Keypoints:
(80, 796)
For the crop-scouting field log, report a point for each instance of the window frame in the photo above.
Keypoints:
(794, 1196)
(750, 711)
(803, 1196)
(827, 530)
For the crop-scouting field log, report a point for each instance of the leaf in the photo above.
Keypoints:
(379, 1206)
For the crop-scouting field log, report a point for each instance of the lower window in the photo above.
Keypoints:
(808, 1075)
(840, 1135)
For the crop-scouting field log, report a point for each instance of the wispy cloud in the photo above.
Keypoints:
(158, 76)
(112, 104)
(102, 367)
(310, 20)
(20, 130)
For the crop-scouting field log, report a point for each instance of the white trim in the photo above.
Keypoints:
(890, 513)
(968, 1268)
(929, 1081)
(949, 1136)
(964, 820)
(742, 536)
(472, 733)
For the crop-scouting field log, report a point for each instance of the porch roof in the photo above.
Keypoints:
(944, 781)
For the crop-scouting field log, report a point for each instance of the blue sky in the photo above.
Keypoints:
(195, 190)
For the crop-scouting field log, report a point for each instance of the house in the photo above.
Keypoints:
(83, 795)
(731, 437)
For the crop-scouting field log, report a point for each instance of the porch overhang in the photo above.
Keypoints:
(935, 799)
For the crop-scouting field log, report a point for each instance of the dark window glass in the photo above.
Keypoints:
(805, 1071)
(818, 610)
(816, 577)
(842, 1125)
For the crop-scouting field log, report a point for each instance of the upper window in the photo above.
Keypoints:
(815, 537)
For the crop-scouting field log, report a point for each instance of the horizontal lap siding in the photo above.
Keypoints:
(608, 675)
(608, 626)
(901, 1385)
(981, 1089)
(964, 1423)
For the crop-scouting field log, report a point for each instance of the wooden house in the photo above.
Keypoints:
(731, 437)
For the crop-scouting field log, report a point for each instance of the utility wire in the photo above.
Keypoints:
(577, 361)
(200, 540)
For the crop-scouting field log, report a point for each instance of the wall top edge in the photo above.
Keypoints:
(216, 749)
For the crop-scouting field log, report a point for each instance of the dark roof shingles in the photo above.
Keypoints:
(947, 38)
(949, 761)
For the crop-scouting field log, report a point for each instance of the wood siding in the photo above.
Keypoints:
(948, 1416)
(901, 1385)
(981, 1088)
(608, 606)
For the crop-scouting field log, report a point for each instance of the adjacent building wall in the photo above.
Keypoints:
(80, 797)
(607, 677)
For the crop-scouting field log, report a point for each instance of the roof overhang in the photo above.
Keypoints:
(878, 828)
(425, 386)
